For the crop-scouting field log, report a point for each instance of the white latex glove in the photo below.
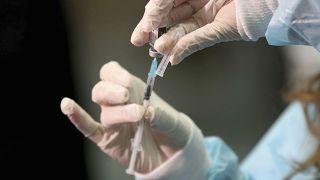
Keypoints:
(198, 24)
(202, 23)
(120, 95)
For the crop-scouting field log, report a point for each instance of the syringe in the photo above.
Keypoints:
(165, 60)
(136, 142)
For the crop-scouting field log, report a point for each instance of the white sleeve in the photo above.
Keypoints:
(253, 17)
(192, 162)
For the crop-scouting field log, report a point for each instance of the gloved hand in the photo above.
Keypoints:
(198, 24)
(120, 95)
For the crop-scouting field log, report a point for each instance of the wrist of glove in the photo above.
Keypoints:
(253, 17)
(120, 96)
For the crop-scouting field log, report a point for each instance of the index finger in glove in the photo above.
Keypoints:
(155, 12)
(109, 93)
(222, 29)
(112, 71)
(168, 40)
(129, 113)
(203, 16)
(82, 120)
(202, 30)
(161, 13)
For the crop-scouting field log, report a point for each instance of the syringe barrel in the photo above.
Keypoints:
(154, 35)
(136, 147)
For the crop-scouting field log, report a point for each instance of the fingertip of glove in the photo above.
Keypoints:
(106, 67)
(112, 63)
(150, 113)
(140, 111)
(67, 106)
(139, 37)
(136, 41)
(174, 60)
(114, 72)
(165, 43)
(161, 46)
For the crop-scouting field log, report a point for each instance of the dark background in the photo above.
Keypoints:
(52, 49)
(36, 140)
